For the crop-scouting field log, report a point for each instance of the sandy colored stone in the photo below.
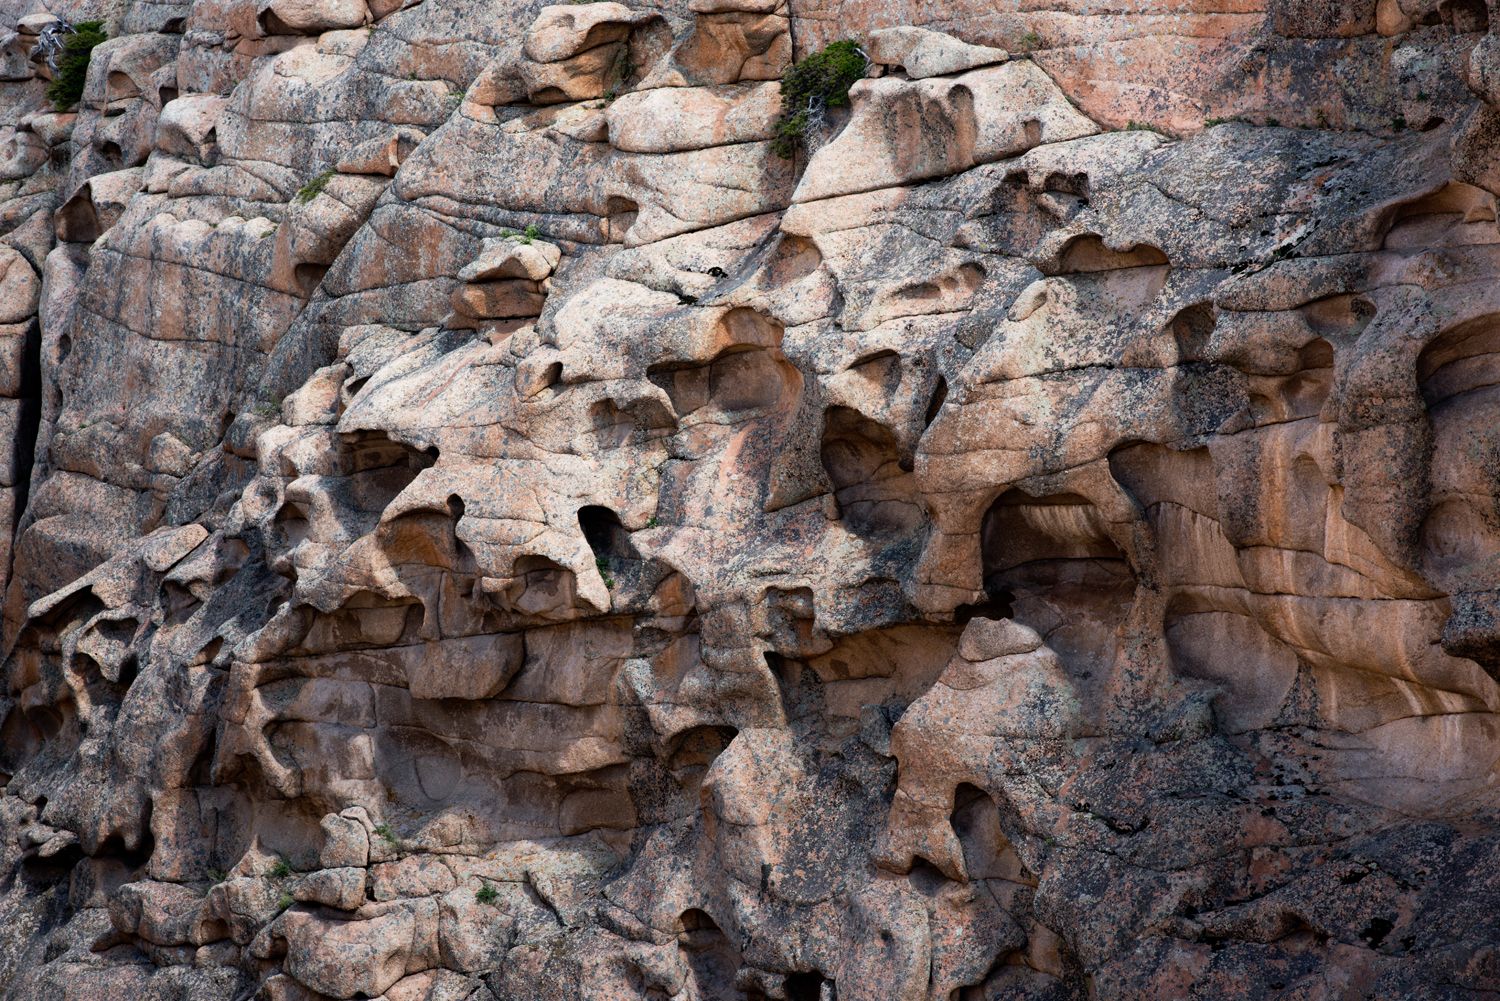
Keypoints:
(381, 156)
(343, 889)
(1003, 550)
(922, 53)
(512, 258)
(986, 639)
(311, 17)
(187, 125)
(675, 119)
(904, 131)
(20, 287)
(499, 299)
(562, 31)
(346, 840)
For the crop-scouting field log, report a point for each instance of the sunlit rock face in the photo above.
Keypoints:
(482, 526)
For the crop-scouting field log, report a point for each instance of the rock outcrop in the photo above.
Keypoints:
(480, 525)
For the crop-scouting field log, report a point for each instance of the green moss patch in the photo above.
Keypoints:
(313, 188)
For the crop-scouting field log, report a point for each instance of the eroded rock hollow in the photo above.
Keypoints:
(478, 523)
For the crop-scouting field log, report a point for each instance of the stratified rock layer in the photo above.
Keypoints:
(481, 526)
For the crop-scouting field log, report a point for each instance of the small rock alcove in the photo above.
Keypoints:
(876, 495)
(1070, 581)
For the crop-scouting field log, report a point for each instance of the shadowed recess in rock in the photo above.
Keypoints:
(483, 525)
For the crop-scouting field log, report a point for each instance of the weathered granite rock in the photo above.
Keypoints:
(921, 52)
(907, 131)
(482, 526)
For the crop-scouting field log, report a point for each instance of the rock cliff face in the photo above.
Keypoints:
(479, 525)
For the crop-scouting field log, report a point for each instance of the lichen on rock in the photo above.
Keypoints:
(482, 523)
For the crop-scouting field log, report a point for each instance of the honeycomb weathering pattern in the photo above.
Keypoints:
(481, 526)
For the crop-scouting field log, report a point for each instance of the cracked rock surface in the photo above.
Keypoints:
(479, 525)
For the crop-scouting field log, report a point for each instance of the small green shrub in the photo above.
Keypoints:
(486, 894)
(66, 88)
(215, 877)
(1135, 126)
(280, 870)
(528, 234)
(314, 187)
(809, 88)
(384, 830)
(1029, 42)
(284, 901)
(603, 566)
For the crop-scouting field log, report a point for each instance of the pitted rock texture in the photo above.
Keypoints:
(481, 526)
